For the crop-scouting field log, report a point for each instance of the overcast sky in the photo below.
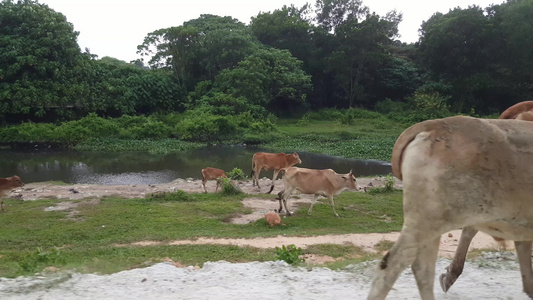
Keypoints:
(115, 27)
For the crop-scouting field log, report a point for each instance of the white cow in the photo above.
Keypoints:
(325, 183)
(459, 172)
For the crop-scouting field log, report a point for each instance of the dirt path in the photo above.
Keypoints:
(259, 206)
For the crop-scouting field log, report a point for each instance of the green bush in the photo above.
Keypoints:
(388, 106)
(41, 258)
(151, 130)
(352, 114)
(290, 254)
(177, 196)
(236, 174)
(29, 132)
(228, 188)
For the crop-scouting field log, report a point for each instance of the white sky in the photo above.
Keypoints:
(115, 27)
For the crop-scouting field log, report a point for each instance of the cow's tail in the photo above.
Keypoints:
(403, 141)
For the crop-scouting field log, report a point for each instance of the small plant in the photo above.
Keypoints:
(389, 182)
(40, 258)
(228, 188)
(178, 196)
(236, 174)
(290, 254)
(304, 120)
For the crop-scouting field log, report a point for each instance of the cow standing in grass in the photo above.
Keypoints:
(460, 172)
(325, 183)
(7, 184)
(272, 161)
(212, 174)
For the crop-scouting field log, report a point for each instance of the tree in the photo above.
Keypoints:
(270, 78)
(484, 54)
(39, 61)
(362, 48)
(330, 14)
(199, 49)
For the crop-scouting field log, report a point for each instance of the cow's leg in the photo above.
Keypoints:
(203, 182)
(2, 204)
(285, 195)
(218, 183)
(333, 206)
(523, 251)
(312, 204)
(401, 255)
(454, 270)
(424, 268)
(256, 177)
(276, 172)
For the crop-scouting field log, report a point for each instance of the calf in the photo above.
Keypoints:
(272, 161)
(460, 172)
(7, 184)
(520, 111)
(212, 174)
(273, 218)
(325, 183)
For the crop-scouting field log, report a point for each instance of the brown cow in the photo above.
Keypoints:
(272, 161)
(325, 183)
(273, 219)
(459, 172)
(212, 174)
(520, 111)
(7, 184)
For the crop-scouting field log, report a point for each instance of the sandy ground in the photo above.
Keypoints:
(259, 206)
(488, 279)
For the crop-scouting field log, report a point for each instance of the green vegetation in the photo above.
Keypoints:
(290, 254)
(99, 236)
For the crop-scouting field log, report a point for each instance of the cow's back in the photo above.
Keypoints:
(309, 180)
(270, 160)
(470, 166)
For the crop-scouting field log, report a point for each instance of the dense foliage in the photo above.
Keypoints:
(216, 77)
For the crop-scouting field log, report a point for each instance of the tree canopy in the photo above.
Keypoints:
(333, 53)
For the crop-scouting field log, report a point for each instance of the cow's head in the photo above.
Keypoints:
(14, 181)
(350, 180)
(296, 159)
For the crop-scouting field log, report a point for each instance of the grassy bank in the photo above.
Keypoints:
(354, 133)
(85, 238)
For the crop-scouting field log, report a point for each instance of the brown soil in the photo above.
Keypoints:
(260, 206)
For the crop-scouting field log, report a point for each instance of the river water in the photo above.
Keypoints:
(114, 168)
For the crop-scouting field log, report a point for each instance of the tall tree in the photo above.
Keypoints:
(39, 60)
(270, 78)
(199, 49)
(330, 14)
(362, 48)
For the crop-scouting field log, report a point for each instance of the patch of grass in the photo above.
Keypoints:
(384, 245)
(89, 241)
(162, 146)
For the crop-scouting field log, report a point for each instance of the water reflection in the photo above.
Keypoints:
(144, 168)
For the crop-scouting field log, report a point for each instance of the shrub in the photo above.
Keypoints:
(177, 196)
(151, 130)
(290, 254)
(228, 188)
(236, 174)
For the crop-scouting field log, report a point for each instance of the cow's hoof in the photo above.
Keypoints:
(444, 283)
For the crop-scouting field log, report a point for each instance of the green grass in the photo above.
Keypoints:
(32, 238)
(365, 139)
